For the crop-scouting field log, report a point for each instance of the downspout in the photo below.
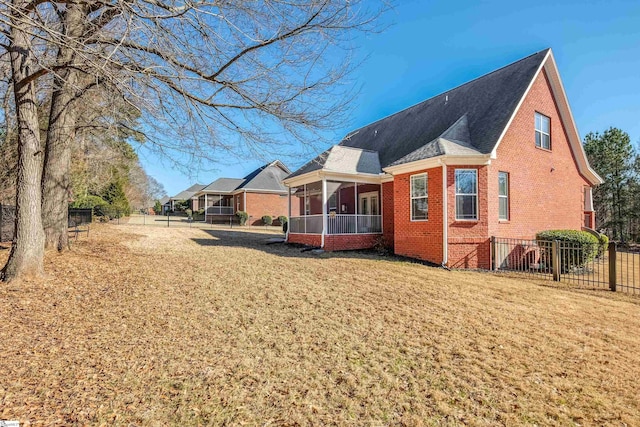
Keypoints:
(445, 217)
(244, 202)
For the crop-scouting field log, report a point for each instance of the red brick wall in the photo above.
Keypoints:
(260, 204)
(305, 239)
(418, 239)
(546, 189)
(388, 213)
(344, 242)
(468, 241)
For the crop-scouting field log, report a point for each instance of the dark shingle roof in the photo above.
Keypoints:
(223, 185)
(468, 119)
(268, 177)
(189, 192)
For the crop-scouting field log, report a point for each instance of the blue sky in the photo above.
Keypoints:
(432, 46)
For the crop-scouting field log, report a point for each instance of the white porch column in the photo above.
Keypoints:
(357, 202)
(286, 238)
(305, 208)
(324, 209)
(206, 205)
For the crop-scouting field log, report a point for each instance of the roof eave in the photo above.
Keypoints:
(432, 162)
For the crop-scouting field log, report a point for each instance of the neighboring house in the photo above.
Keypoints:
(259, 193)
(504, 147)
(184, 196)
(166, 204)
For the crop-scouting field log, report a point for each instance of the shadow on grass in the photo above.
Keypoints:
(261, 241)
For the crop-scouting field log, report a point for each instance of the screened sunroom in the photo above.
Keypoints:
(338, 207)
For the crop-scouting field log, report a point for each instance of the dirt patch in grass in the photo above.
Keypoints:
(161, 326)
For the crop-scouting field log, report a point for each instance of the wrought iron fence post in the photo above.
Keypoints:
(494, 264)
(555, 260)
(612, 266)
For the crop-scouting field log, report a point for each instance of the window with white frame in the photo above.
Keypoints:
(503, 196)
(543, 131)
(466, 194)
(419, 198)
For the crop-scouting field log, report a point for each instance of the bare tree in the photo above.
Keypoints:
(27, 250)
(206, 76)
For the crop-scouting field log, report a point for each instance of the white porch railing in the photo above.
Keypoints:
(336, 224)
(219, 210)
(354, 224)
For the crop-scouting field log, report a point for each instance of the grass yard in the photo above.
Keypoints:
(177, 326)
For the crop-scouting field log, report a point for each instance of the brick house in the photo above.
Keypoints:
(259, 193)
(497, 156)
(182, 196)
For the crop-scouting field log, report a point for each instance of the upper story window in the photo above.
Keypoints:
(419, 198)
(466, 194)
(503, 196)
(543, 131)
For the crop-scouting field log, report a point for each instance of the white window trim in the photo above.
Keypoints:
(412, 198)
(506, 197)
(476, 219)
(541, 131)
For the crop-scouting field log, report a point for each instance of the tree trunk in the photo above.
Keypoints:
(56, 184)
(27, 250)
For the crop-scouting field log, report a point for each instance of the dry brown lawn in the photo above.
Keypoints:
(156, 326)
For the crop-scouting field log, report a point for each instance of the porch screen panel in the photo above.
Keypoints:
(314, 198)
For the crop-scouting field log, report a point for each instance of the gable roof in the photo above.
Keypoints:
(188, 193)
(466, 120)
(223, 185)
(266, 178)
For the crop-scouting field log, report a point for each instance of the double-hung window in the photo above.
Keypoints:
(543, 131)
(419, 198)
(503, 196)
(466, 194)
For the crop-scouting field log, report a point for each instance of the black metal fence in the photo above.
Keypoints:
(616, 268)
(7, 222)
(79, 217)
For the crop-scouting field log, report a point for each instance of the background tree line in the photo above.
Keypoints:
(617, 200)
(105, 172)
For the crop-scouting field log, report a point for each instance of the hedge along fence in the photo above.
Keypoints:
(614, 267)
(576, 248)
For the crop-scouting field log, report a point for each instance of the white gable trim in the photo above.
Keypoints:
(560, 96)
